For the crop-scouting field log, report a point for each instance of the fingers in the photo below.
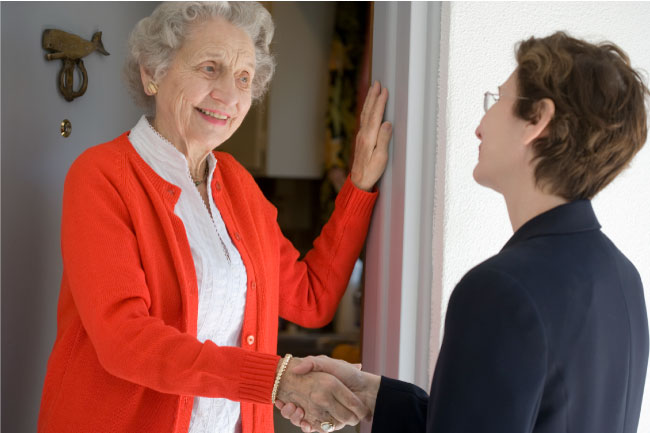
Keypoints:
(331, 401)
(341, 369)
(355, 410)
(374, 90)
(328, 409)
(380, 153)
(383, 137)
(304, 366)
(306, 427)
(288, 410)
(370, 118)
(318, 396)
(371, 146)
(377, 110)
(297, 417)
(339, 400)
(292, 413)
(340, 416)
(352, 394)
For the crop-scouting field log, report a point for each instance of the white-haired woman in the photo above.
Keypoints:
(175, 270)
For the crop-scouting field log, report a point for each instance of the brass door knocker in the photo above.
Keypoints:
(71, 49)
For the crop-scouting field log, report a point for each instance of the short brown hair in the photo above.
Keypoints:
(600, 115)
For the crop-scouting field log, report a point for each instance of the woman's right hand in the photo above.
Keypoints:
(371, 149)
(321, 396)
(364, 385)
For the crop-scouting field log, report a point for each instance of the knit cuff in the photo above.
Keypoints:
(257, 377)
(356, 200)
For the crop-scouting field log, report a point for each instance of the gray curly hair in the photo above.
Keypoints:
(155, 40)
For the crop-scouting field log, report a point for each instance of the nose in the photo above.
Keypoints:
(478, 132)
(225, 91)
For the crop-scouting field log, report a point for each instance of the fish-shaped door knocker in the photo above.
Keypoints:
(71, 49)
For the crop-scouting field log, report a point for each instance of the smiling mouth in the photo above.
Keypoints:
(213, 114)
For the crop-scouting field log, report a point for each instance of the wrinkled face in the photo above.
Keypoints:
(206, 93)
(503, 153)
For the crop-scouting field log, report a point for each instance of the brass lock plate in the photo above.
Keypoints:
(66, 128)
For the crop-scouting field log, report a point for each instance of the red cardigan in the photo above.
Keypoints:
(126, 357)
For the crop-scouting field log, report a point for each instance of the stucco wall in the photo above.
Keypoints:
(471, 221)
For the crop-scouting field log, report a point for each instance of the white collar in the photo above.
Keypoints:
(161, 155)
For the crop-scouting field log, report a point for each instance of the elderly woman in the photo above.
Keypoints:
(551, 334)
(175, 270)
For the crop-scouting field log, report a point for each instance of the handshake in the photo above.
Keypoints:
(320, 394)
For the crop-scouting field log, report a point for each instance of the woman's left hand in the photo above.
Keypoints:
(371, 151)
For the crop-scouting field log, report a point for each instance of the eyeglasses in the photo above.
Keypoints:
(489, 99)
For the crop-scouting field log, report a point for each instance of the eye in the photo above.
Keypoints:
(208, 68)
(244, 80)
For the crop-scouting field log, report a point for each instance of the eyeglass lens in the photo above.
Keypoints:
(488, 101)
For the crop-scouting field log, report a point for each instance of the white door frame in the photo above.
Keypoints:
(399, 260)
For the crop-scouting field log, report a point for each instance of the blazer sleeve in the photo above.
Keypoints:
(492, 364)
(400, 407)
(103, 271)
(310, 289)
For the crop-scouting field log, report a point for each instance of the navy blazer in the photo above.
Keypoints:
(548, 336)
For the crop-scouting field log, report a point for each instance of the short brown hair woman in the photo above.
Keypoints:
(551, 334)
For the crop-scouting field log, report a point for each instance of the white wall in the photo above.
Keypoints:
(471, 221)
(35, 159)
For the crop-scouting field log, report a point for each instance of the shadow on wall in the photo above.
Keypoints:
(35, 159)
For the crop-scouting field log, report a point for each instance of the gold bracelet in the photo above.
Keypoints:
(276, 385)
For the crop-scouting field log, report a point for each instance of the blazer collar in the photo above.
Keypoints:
(574, 217)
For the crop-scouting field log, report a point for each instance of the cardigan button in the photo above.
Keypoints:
(250, 340)
(253, 285)
(237, 236)
(218, 186)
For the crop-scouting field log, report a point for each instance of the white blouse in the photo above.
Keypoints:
(220, 272)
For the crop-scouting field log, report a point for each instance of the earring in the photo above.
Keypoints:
(152, 88)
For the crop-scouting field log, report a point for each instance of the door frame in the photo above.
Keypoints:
(398, 298)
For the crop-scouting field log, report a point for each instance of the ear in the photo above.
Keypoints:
(146, 79)
(545, 112)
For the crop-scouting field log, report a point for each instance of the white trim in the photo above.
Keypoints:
(417, 267)
(439, 194)
(399, 251)
(379, 342)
